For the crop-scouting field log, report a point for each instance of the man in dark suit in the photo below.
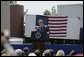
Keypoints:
(42, 27)
(42, 30)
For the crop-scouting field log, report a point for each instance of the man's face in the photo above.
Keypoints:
(40, 22)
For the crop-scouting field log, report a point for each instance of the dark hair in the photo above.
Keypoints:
(48, 54)
(3, 34)
(37, 52)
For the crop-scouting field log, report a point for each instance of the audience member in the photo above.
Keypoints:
(26, 51)
(60, 53)
(37, 52)
(9, 51)
(19, 52)
(32, 54)
(47, 53)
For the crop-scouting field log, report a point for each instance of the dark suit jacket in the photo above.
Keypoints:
(43, 29)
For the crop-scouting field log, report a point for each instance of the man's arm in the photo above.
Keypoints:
(47, 28)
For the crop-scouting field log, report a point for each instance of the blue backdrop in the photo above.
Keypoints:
(66, 47)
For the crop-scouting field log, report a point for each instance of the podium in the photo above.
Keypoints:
(39, 39)
(39, 36)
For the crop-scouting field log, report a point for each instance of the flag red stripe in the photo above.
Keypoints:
(56, 23)
(58, 17)
(58, 29)
(58, 33)
(57, 26)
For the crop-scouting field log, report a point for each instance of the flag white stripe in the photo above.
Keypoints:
(57, 34)
(57, 37)
(57, 27)
(57, 22)
(56, 31)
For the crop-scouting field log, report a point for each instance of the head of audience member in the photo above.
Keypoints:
(26, 51)
(75, 53)
(19, 52)
(47, 52)
(32, 54)
(8, 52)
(51, 51)
(4, 38)
(3, 52)
(60, 53)
(71, 53)
(37, 52)
(5, 33)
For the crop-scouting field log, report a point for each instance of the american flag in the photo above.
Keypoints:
(57, 27)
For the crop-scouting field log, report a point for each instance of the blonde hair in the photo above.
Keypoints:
(60, 53)
(32, 54)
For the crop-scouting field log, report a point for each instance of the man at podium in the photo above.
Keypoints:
(42, 27)
(41, 32)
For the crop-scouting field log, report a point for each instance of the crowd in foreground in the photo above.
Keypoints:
(7, 50)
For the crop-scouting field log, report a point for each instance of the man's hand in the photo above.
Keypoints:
(47, 32)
